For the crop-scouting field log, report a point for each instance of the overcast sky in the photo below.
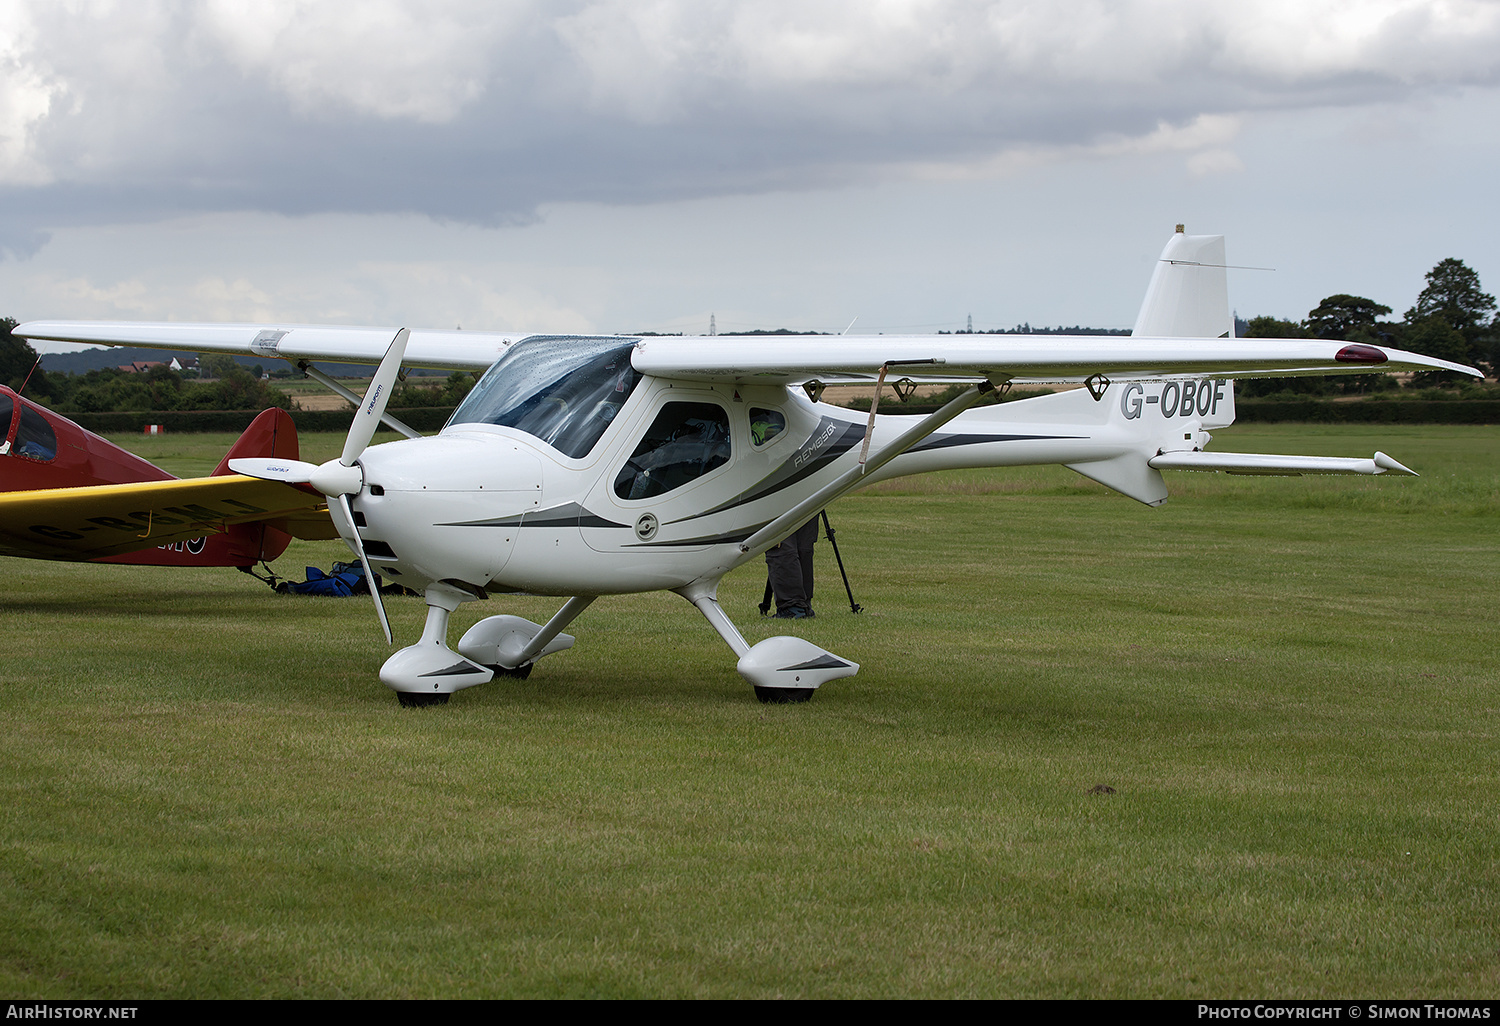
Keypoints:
(623, 165)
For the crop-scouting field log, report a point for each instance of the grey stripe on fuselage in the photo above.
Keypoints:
(950, 440)
(572, 514)
(568, 514)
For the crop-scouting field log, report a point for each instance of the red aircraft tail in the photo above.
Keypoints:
(272, 434)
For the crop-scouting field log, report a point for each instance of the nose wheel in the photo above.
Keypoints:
(783, 696)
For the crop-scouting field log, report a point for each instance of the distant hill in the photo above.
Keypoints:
(102, 359)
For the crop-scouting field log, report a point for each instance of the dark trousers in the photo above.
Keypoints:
(790, 566)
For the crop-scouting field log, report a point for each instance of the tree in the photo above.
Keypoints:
(1271, 327)
(17, 358)
(1434, 336)
(1343, 317)
(1454, 296)
(217, 365)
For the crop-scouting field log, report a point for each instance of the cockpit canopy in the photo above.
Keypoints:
(32, 437)
(563, 389)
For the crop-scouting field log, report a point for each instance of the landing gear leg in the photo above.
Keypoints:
(511, 645)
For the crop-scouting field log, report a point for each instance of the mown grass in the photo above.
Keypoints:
(1291, 686)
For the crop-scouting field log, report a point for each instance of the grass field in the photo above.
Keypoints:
(1291, 686)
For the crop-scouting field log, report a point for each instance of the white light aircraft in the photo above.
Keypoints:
(582, 466)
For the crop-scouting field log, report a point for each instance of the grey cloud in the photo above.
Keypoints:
(453, 111)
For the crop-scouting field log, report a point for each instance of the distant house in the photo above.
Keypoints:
(142, 366)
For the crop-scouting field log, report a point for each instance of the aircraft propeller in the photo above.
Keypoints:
(338, 479)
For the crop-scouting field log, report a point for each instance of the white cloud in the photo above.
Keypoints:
(480, 112)
(392, 59)
(130, 296)
(215, 299)
(1409, 41)
(1206, 137)
(28, 91)
(1214, 162)
(455, 291)
(650, 59)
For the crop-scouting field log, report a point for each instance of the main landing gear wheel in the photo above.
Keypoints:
(519, 673)
(419, 700)
(782, 696)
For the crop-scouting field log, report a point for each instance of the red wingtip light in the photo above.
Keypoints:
(1360, 354)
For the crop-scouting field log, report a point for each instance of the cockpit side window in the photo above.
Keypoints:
(765, 425)
(35, 438)
(564, 390)
(686, 441)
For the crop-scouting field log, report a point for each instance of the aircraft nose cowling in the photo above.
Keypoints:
(446, 508)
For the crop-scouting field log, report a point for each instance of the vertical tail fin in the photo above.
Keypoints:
(271, 435)
(1189, 292)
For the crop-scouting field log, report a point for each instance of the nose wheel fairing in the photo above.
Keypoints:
(430, 667)
(495, 646)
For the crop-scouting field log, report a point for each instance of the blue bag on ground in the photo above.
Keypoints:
(346, 579)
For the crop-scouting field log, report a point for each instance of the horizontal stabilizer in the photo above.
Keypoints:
(1272, 465)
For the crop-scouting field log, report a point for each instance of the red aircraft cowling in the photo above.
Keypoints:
(42, 449)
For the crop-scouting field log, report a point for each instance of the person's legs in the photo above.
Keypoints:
(785, 569)
(805, 537)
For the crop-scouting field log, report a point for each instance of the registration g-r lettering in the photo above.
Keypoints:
(1176, 399)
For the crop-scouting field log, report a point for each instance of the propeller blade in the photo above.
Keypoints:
(367, 418)
(290, 471)
(359, 550)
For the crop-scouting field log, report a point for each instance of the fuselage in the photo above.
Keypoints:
(680, 475)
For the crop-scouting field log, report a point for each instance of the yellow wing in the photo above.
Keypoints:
(105, 520)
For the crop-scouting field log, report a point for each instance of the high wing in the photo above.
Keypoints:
(106, 520)
(447, 350)
(1023, 359)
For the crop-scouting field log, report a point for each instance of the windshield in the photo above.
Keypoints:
(564, 389)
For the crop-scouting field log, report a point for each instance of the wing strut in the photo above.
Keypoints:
(356, 400)
(864, 450)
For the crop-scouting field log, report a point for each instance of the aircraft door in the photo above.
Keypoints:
(677, 468)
